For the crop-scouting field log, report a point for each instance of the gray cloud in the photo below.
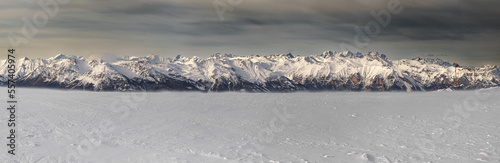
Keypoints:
(189, 27)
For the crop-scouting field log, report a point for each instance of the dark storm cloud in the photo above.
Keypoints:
(128, 8)
(454, 21)
(146, 8)
(447, 20)
(155, 17)
(191, 18)
(315, 25)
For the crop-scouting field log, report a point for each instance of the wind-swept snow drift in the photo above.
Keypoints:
(226, 72)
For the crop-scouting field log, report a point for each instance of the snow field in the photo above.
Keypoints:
(84, 126)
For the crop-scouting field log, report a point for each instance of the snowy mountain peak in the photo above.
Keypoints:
(219, 55)
(276, 72)
(432, 61)
(181, 58)
(327, 54)
(153, 56)
(349, 54)
(376, 55)
(62, 57)
(59, 56)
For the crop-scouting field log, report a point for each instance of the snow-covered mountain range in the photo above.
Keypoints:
(225, 72)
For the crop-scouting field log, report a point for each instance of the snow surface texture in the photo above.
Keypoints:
(388, 127)
(226, 72)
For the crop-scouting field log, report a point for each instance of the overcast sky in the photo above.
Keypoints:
(463, 29)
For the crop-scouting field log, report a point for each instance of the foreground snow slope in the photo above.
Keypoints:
(64, 126)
